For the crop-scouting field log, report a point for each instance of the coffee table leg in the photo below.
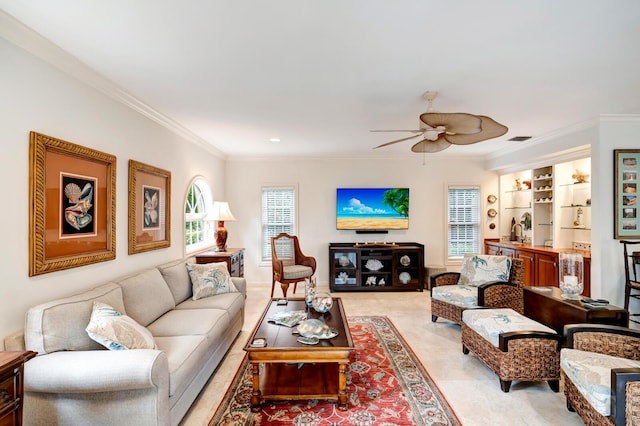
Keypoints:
(342, 387)
(255, 396)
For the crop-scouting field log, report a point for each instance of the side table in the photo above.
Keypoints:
(12, 386)
(234, 257)
(547, 306)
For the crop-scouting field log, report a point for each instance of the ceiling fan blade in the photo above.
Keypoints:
(428, 146)
(490, 129)
(396, 141)
(412, 131)
(454, 123)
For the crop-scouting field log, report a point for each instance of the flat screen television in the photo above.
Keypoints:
(372, 208)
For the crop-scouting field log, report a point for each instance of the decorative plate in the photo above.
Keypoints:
(404, 277)
(405, 260)
(492, 199)
(492, 213)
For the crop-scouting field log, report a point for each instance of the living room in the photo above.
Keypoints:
(49, 91)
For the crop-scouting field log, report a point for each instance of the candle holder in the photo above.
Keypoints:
(571, 275)
(309, 291)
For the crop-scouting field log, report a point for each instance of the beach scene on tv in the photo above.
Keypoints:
(372, 208)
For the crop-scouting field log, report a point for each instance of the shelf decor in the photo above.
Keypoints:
(627, 164)
(72, 219)
(149, 207)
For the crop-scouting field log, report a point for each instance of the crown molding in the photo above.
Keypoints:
(24, 37)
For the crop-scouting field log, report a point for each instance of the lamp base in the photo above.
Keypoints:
(221, 237)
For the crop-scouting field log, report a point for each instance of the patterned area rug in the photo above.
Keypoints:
(386, 385)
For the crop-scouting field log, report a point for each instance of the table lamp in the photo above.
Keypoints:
(221, 212)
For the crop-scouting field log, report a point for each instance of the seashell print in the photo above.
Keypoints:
(373, 265)
(72, 191)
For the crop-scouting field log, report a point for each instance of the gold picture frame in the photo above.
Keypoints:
(72, 217)
(149, 207)
(627, 174)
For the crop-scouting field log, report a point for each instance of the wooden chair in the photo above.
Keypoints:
(288, 263)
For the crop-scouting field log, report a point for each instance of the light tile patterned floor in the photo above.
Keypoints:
(472, 389)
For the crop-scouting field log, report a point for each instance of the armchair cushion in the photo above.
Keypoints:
(465, 296)
(293, 272)
(490, 323)
(480, 269)
(590, 372)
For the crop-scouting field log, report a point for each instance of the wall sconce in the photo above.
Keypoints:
(221, 213)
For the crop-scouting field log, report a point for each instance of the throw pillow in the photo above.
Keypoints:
(480, 269)
(116, 331)
(209, 279)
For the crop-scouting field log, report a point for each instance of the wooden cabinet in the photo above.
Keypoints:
(376, 267)
(540, 263)
(12, 386)
(234, 258)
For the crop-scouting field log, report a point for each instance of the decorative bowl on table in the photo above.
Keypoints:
(322, 303)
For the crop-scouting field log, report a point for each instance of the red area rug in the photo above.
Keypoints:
(386, 385)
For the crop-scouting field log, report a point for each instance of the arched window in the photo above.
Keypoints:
(198, 232)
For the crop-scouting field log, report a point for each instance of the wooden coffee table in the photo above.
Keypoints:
(546, 305)
(288, 370)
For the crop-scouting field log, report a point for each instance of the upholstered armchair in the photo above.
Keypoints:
(600, 368)
(484, 280)
(289, 264)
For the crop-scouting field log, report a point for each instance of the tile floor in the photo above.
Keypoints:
(473, 391)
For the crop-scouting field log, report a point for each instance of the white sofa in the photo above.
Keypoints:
(74, 380)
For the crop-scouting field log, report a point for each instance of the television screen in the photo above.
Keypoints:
(372, 208)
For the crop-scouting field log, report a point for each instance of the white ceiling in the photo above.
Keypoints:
(320, 74)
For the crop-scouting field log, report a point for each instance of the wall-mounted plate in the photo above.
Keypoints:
(492, 213)
(492, 199)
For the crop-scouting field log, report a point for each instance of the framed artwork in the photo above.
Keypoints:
(149, 207)
(627, 219)
(72, 219)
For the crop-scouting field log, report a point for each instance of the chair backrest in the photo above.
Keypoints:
(284, 247)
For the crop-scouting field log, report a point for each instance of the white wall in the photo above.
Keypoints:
(317, 180)
(38, 97)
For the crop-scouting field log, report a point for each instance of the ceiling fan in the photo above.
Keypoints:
(440, 130)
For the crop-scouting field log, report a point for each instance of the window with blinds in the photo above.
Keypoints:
(198, 233)
(463, 213)
(278, 215)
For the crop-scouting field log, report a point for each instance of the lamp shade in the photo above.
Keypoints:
(221, 211)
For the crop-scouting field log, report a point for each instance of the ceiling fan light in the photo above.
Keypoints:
(458, 123)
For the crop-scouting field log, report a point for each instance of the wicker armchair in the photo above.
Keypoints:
(620, 349)
(497, 294)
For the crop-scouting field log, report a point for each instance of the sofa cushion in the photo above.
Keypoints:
(59, 325)
(465, 296)
(480, 269)
(186, 355)
(233, 303)
(490, 323)
(209, 279)
(177, 278)
(116, 331)
(590, 372)
(210, 323)
(146, 296)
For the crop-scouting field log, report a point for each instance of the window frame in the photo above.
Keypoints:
(208, 240)
(265, 237)
(456, 259)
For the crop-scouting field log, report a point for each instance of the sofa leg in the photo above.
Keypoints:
(434, 318)
(554, 385)
(570, 407)
(465, 350)
(505, 385)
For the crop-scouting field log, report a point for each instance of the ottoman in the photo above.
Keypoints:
(512, 346)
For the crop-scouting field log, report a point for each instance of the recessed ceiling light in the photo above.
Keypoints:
(520, 138)
(274, 140)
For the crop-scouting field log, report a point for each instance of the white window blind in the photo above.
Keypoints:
(463, 212)
(278, 215)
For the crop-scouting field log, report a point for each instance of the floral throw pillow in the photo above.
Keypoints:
(116, 331)
(209, 279)
(480, 269)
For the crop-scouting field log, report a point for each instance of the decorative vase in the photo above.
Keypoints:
(571, 275)
(322, 303)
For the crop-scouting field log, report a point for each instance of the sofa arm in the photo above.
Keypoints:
(501, 294)
(97, 371)
(605, 339)
(625, 391)
(241, 284)
(505, 338)
(445, 278)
